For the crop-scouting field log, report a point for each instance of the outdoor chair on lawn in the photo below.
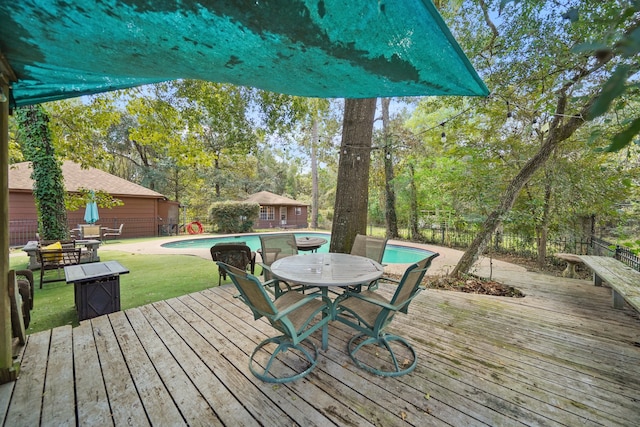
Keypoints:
(56, 257)
(111, 232)
(235, 254)
(274, 247)
(295, 315)
(90, 231)
(368, 247)
(370, 313)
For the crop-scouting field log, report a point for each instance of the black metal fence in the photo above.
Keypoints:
(621, 253)
(527, 246)
(506, 243)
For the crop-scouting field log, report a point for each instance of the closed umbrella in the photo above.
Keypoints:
(91, 211)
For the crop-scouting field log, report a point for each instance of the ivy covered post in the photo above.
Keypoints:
(48, 185)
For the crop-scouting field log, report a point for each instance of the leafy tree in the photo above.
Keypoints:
(529, 53)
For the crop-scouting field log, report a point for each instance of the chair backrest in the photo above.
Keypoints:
(234, 254)
(410, 282)
(55, 258)
(370, 247)
(277, 246)
(251, 291)
(63, 243)
(89, 231)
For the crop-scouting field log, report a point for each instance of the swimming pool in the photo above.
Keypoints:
(393, 254)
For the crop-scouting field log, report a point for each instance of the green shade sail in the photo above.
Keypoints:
(348, 49)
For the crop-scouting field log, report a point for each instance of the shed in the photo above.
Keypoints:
(279, 211)
(143, 214)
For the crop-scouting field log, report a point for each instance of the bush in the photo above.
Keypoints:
(233, 217)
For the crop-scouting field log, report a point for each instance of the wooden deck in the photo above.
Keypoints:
(559, 356)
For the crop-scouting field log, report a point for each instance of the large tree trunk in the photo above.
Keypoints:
(352, 194)
(314, 174)
(544, 227)
(390, 194)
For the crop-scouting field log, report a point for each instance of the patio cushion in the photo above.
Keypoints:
(54, 257)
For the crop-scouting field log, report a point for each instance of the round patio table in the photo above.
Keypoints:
(325, 270)
(310, 243)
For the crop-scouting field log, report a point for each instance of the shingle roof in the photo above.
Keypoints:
(267, 198)
(75, 177)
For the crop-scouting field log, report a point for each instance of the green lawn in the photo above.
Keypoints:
(151, 278)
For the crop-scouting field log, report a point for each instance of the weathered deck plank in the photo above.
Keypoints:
(124, 400)
(192, 405)
(155, 397)
(26, 402)
(559, 356)
(181, 343)
(93, 405)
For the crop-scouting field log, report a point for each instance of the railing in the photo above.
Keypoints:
(506, 243)
(527, 246)
(621, 253)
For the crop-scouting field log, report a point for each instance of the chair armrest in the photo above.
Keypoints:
(359, 296)
(28, 274)
(302, 302)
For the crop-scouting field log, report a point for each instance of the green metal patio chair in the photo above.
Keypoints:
(294, 314)
(274, 247)
(369, 247)
(370, 313)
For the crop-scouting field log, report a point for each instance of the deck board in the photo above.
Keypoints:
(559, 356)
(124, 400)
(58, 406)
(93, 405)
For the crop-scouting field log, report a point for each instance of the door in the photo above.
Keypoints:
(283, 215)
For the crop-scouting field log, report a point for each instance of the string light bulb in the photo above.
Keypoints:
(443, 136)
(509, 114)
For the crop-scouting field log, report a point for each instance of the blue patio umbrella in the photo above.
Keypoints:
(91, 211)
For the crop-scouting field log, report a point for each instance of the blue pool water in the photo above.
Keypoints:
(393, 254)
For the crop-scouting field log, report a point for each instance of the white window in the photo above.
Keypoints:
(267, 213)
(298, 210)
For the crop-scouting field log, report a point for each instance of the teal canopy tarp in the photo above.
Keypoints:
(351, 49)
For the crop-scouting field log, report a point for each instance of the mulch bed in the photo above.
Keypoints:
(474, 285)
(469, 284)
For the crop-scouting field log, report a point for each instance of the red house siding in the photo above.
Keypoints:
(290, 220)
(140, 217)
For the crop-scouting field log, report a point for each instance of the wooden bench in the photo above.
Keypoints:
(623, 280)
(572, 260)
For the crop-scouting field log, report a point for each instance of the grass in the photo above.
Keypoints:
(152, 278)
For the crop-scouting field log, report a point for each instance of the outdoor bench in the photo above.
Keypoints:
(572, 260)
(623, 280)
